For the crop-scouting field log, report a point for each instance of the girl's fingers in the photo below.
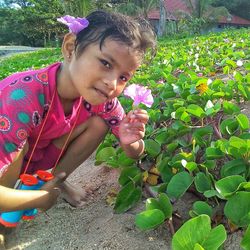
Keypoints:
(55, 182)
(136, 125)
(141, 117)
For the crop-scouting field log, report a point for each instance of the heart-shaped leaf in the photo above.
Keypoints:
(179, 184)
(127, 174)
(201, 207)
(213, 153)
(149, 219)
(127, 197)
(237, 208)
(195, 110)
(245, 242)
(234, 167)
(229, 185)
(105, 154)
(162, 203)
(152, 147)
(202, 182)
(197, 232)
(243, 121)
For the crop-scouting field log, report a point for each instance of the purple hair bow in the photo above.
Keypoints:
(75, 24)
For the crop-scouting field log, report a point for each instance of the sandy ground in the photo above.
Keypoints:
(95, 226)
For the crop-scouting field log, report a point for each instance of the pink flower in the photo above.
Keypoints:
(200, 74)
(75, 24)
(139, 94)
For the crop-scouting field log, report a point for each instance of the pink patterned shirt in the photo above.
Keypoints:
(24, 101)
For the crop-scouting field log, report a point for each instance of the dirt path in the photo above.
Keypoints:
(6, 51)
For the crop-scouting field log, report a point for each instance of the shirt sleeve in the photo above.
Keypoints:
(113, 113)
(20, 112)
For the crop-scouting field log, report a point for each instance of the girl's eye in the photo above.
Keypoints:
(106, 64)
(124, 79)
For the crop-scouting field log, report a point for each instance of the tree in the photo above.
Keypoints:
(78, 8)
(202, 14)
(33, 23)
(237, 7)
(162, 20)
(137, 7)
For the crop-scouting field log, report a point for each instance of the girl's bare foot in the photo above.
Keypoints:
(75, 196)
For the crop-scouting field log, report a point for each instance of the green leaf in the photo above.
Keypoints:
(230, 108)
(237, 209)
(198, 247)
(238, 77)
(229, 185)
(195, 110)
(162, 203)
(162, 137)
(243, 121)
(127, 197)
(201, 207)
(105, 154)
(166, 206)
(229, 126)
(213, 153)
(215, 238)
(212, 193)
(149, 219)
(152, 147)
(231, 63)
(124, 160)
(202, 182)
(234, 167)
(197, 231)
(237, 147)
(127, 174)
(179, 184)
(245, 242)
(191, 166)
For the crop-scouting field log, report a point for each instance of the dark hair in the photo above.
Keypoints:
(134, 32)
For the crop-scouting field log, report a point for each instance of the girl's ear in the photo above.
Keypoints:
(68, 46)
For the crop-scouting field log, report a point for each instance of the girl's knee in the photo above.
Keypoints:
(98, 125)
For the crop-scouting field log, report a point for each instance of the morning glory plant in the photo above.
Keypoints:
(75, 24)
(139, 94)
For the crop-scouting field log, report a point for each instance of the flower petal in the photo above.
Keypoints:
(139, 94)
(75, 24)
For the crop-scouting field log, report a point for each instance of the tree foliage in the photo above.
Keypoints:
(202, 14)
(237, 7)
(30, 22)
(136, 7)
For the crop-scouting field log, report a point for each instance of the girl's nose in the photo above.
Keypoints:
(111, 83)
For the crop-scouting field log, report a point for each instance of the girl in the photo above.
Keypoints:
(57, 116)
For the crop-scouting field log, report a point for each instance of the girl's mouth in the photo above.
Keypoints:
(101, 93)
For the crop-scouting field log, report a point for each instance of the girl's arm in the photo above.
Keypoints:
(14, 199)
(134, 150)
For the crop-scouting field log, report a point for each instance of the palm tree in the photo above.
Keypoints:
(137, 7)
(79, 8)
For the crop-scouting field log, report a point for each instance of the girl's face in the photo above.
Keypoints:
(101, 74)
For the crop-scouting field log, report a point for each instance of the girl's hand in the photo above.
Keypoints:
(53, 191)
(132, 127)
